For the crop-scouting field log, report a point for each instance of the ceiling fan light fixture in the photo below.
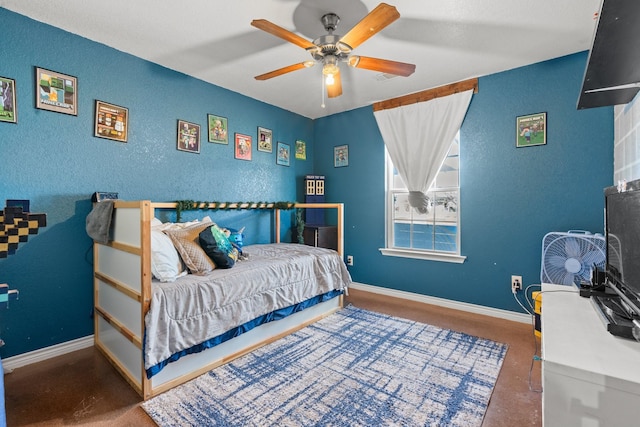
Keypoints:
(330, 69)
(329, 80)
(330, 66)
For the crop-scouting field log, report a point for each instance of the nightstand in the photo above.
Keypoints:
(323, 236)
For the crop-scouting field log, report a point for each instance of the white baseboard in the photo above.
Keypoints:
(472, 308)
(14, 362)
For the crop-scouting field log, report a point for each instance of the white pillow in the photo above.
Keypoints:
(166, 264)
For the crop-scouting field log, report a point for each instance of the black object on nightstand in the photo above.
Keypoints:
(322, 236)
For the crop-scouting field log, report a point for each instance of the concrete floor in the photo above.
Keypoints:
(81, 388)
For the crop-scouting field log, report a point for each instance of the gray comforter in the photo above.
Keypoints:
(194, 308)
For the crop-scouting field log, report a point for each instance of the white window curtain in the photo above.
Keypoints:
(418, 137)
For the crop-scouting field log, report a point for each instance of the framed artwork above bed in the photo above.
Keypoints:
(265, 136)
(188, 137)
(56, 92)
(111, 121)
(283, 154)
(8, 111)
(242, 147)
(218, 129)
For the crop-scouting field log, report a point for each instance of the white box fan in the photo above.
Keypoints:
(569, 257)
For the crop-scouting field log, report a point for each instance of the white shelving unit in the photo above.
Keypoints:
(590, 378)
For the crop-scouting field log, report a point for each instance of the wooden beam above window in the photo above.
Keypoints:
(427, 95)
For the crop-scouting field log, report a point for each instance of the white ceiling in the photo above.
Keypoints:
(448, 40)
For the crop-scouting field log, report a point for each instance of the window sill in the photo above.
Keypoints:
(430, 256)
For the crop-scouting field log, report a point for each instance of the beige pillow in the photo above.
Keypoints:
(186, 242)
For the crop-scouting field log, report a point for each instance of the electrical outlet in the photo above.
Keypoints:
(516, 283)
(349, 259)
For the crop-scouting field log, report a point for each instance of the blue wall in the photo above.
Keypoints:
(55, 161)
(510, 197)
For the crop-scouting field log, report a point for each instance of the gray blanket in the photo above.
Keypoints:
(194, 308)
(99, 221)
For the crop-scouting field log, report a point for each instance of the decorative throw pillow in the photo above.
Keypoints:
(186, 242)
(216, 245)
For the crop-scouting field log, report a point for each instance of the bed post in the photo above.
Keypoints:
(146, 214)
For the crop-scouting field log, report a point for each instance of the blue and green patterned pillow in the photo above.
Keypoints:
(218, 247)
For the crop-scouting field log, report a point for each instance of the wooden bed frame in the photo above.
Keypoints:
(122, 293)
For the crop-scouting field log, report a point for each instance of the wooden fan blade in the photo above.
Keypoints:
(374, 22)
(278, 31)
(382, 65)
(335, 89)
(283, 70)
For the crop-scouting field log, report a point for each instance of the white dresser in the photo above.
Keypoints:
(590, 378)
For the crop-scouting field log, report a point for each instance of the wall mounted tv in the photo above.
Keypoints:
(622, 230)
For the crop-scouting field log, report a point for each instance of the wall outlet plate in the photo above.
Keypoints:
(516, 283)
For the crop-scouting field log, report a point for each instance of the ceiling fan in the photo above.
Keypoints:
(331, 49)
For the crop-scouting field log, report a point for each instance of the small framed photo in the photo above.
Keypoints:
(111, 122)
(531, 130)
(218, 129)
(56, 92)
(188, 137)
(242, 147)
(265, 138)
(283, 154)
(8, 108)
(340, 156)
(301, 150)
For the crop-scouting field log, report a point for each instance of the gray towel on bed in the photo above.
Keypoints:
(99, 221)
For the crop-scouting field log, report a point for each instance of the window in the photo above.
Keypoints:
(433, 235)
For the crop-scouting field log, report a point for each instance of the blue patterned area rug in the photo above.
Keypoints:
(353, 368)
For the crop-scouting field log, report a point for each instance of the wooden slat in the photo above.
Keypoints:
(427, 95)
(118, 285)
(126, 332)
(123, 247)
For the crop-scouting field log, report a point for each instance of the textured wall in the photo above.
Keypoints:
(55, 161)
(510, 197)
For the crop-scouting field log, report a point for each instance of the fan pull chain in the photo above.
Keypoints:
(322, 105)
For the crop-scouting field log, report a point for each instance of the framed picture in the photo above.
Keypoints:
(218, 129)
(188, 137)
(301, 150)
(243, 147)
(111, 122)
(340, 156)
(265, 136)
(531, 130)
(283, 154)
(8, 109)
(56, 92)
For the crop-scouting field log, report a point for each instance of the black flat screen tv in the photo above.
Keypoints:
(622, 230)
